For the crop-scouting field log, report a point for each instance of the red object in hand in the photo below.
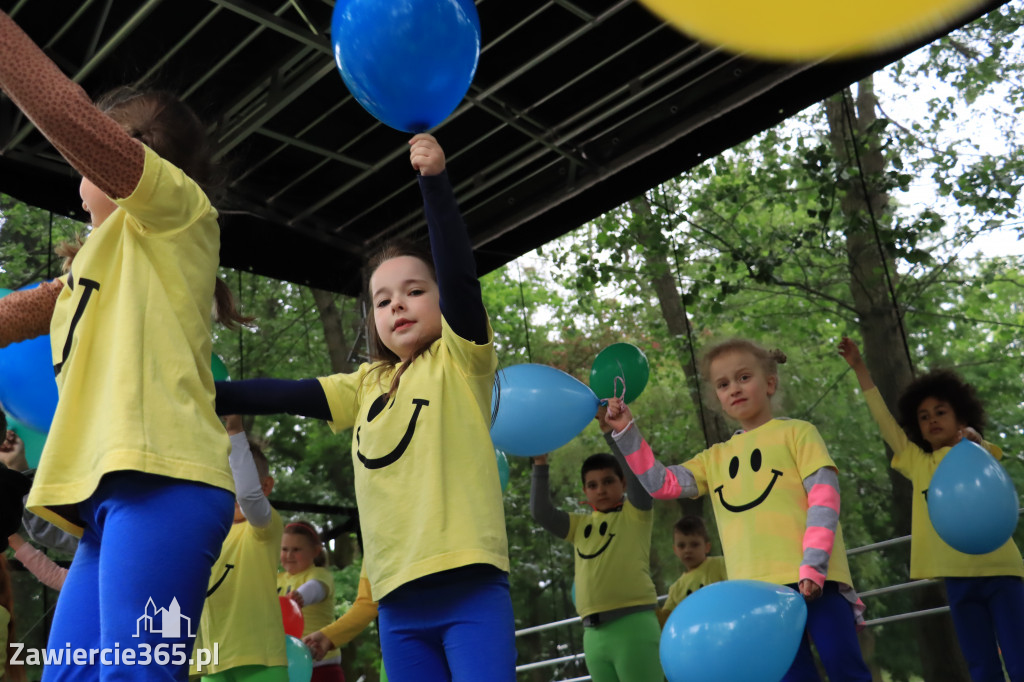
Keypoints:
(291, 614)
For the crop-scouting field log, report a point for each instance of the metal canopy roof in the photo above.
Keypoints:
(576, 107)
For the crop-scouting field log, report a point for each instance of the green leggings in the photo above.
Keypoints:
(250, 673)
(624, 650)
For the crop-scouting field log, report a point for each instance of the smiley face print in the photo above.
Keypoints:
(739, 469)
(396, 453)
(602, 531)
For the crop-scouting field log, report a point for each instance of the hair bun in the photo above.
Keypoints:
(778, 356)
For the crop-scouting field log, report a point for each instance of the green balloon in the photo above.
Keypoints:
(502, 468)
(220, 372)
(620, 367)
(33, 440)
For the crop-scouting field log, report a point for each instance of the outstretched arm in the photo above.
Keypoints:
(91, 141)
(660, 481)
(345, 629)
(635, 491)
(41, 566)
(547, 515)
(248, 491)
(461, 300)
(302, 397)
(26, 314)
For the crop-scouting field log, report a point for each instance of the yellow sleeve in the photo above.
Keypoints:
(355, 620)
(342, 393)
(993, 449)
(902, 447)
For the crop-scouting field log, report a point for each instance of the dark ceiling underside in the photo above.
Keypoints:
(576, 107)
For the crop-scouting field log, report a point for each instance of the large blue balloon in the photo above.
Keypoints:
(540, 409)
(971, 500)
(408, 62)
(733, 631)
(28, 390)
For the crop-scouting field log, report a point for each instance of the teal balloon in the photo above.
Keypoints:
(220, 371)
(573, 593)
(502, 468)
(971, 500)
(733, 631)
(300, 661)
(620, 367)
(33, 440)
(540, 409)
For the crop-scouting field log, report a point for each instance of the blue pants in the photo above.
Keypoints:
(832, 627)
(454, 625)
(140, 572)
(984, 611)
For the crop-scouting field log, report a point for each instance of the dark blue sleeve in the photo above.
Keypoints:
(304, 397)
(461, 301)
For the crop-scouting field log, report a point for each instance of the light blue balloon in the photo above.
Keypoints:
(971, 500)
(540, 409)
(408, 62)
(733, 631)
(28, 390)
(300, 661)
(503, 472)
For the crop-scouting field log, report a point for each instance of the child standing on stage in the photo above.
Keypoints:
(615, 595)
(426, 478)
(131, 346)
(985, 591)
(311, 586)
(242, 616)
(691, 545)
(776, 499)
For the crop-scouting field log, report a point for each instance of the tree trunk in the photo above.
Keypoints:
(334, 331)
(859, 151)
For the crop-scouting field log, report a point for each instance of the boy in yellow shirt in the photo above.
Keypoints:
(691, 545)
(242, 614)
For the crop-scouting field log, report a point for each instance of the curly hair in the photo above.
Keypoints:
(941, 384)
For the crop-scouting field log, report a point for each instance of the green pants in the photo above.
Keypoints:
(624, 650)
(250, 673)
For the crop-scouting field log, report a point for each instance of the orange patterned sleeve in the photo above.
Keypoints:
(26, 314)
(91, 141)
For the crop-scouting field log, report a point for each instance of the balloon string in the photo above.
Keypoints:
(615, 383)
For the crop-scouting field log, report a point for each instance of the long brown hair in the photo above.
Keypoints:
(383, 356)
(15, 673)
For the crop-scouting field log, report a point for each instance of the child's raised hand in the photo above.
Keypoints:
(318, 644)
(618, 415)
(540, 460)
(425, 154)
(848, 349)
(809, 589)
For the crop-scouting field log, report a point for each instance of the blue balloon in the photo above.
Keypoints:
(408, 62)
(540, 409)
(734, 631)
(503, 472)
(300, 661)
(28, 391)
(971, 500)
(33, 440)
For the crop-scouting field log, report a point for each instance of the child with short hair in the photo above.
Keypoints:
(305, 581)
(615, 595)
(436, 551)
(691, 545)
(242, 615)
(775, 493)
(985, 591)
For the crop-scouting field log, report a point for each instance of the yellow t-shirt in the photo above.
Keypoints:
(130, 336)
(314, 616)
(930, 556)
(756, 482)
(429, 496)
(712, 570)
(242, 614)
(613, 559)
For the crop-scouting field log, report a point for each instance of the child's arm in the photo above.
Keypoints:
(346, 628)
(822, 488)
(547, 516)
(661, 482)
(248, 491)
(91, 141)
(455, 267)
(38, 564)
(309, 593)
(26, 314)
(635, 491)
(303, 397)
(892, 434)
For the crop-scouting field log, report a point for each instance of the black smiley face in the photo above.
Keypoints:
(376, 408)
(601, 531)
(755, 466)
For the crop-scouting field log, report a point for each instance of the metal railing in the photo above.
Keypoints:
(891, 589)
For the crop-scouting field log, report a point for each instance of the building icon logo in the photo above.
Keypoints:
(165, 622)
